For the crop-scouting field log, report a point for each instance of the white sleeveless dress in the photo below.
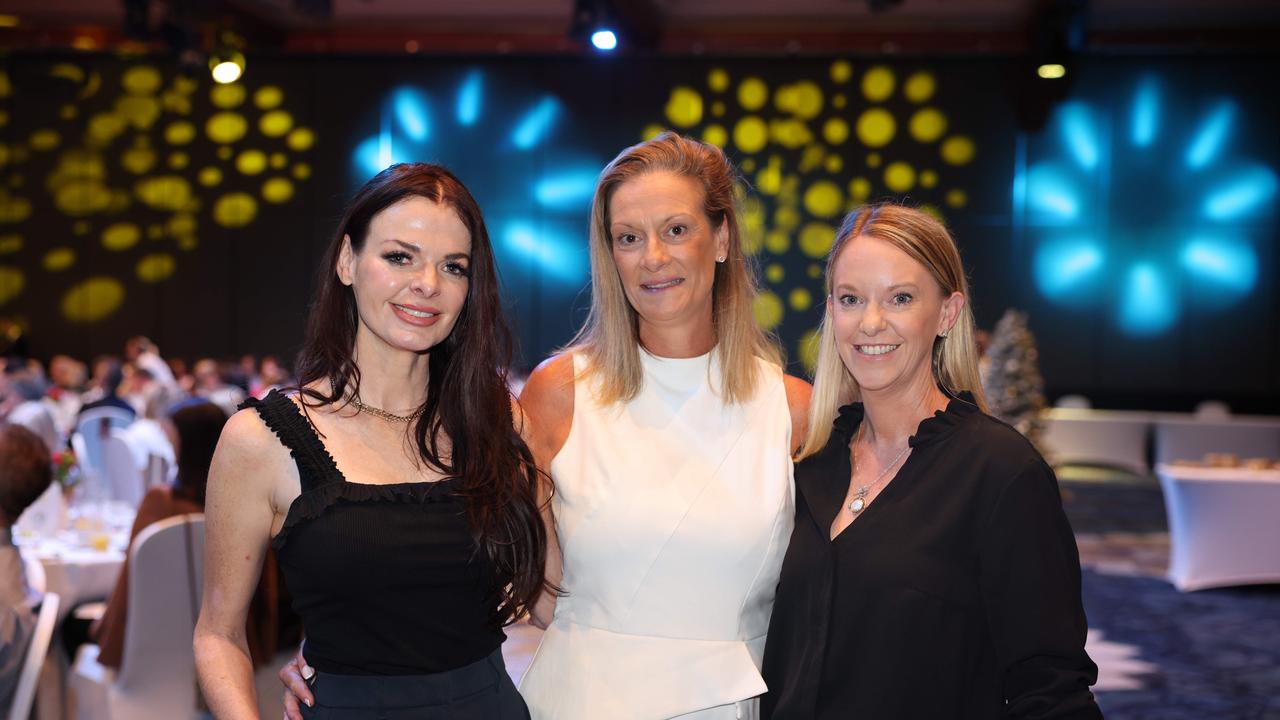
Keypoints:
(674, 511)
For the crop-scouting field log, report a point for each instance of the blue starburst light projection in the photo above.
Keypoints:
(1144, 207)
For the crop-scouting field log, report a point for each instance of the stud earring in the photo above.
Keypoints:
(721, 258)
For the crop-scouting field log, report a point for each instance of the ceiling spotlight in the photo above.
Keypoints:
(604, 39)
(226, 65)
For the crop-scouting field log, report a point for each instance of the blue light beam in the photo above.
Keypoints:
(1063, 267)
(1211, 136)
(1146, 113)
(411, 113)
(1080, 135)
(1148, 306)
(567, 190)
(1051, 195)
(1247, 192)
(536, 123)
(554, 256)
(1227, 265)
(470, 96)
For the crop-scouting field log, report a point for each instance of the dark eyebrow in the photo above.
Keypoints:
(407, 246)
(458, 256)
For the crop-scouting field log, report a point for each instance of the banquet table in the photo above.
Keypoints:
(1222, 525)
(1107, 437)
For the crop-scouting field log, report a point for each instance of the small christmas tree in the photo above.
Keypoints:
(1011, 376)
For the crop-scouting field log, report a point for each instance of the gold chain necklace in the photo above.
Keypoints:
(390, 417)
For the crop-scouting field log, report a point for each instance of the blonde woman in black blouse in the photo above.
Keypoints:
(931, 572)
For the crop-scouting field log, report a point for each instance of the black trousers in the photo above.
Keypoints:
(479, 691)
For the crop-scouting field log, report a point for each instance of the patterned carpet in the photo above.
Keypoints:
(1162, 653)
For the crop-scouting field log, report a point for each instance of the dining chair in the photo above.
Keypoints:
(25, 692)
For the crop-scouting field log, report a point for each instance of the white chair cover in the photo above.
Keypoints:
(157, 679)
(25, 693)
(123, 477)
(89, 426)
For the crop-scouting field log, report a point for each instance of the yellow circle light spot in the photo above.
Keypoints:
(277, 190)
(928, 178)
(750, 134)
(684, 108)
(718, 80)
(10, 244)
(301, 171)
(104, 127)
(275, 123)
(769, 179)
(179, 133)
(876, 127)
(927, 124)
(786, 218)
(790, 133)
(267, 97)
(301, 139)
(13, 209)
(774, 273)
(816, 239)
(251, 162)
(753, 93)
(278, 160)
(957, 150)
(163, 192)
(814, 271)
(919, 87)
(839, 101)
(768, 310)
(187, 242)
(141, 80)
(833, 164)
(224, 153)
(785, 98)
(957, 198)
(235, 210)
(717, 108)
(934, 211)
(877, 84)
(209, 176)
(899, 177)
(92, 300)
(121, 236)
(823, 199)
(873, 160)
(59, 259)
(651, 131)
(155, 267)
(715, 135)
(11, 283)
(807, 99)
(138, 160)
(182, 224)
(176, 103)
(82, 197)
(777, 242)
(81, 227)
(835, 131)
(801, 299)
(226, 127)
(45, 139)
(841, 71)
(179, 160)
(808, 347)
(155, 232)
(227, 96)
(138, 110)
(69, 112)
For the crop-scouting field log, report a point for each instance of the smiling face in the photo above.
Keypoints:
(886, 311)
(665, 249)
(410, 278)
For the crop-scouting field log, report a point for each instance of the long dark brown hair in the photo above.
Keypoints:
(468, 404)
(198, 424)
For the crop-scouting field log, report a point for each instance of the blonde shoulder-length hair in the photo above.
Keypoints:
(610, 340)
(955, 357)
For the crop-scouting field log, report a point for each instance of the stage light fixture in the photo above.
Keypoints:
(604, 39)
(226, 65)
(1052, 71)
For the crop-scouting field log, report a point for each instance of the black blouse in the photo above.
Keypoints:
(386, 578)
(956, 593)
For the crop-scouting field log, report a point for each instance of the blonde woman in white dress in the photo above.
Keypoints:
(668, 427)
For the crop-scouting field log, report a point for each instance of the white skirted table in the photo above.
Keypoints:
(1106, 437)
(1224, 525)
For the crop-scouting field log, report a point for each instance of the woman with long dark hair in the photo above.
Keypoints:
(394, 487)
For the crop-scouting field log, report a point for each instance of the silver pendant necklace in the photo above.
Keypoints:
(859, 502)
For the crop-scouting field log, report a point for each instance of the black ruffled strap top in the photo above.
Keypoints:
(387, 578)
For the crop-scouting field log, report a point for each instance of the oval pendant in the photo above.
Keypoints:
(856, 506)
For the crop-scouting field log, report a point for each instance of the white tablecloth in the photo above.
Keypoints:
(1224, 525)
(1104, 437)
(1185, 437)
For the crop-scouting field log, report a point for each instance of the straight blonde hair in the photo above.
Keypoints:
(955, 357)
(610, 337)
